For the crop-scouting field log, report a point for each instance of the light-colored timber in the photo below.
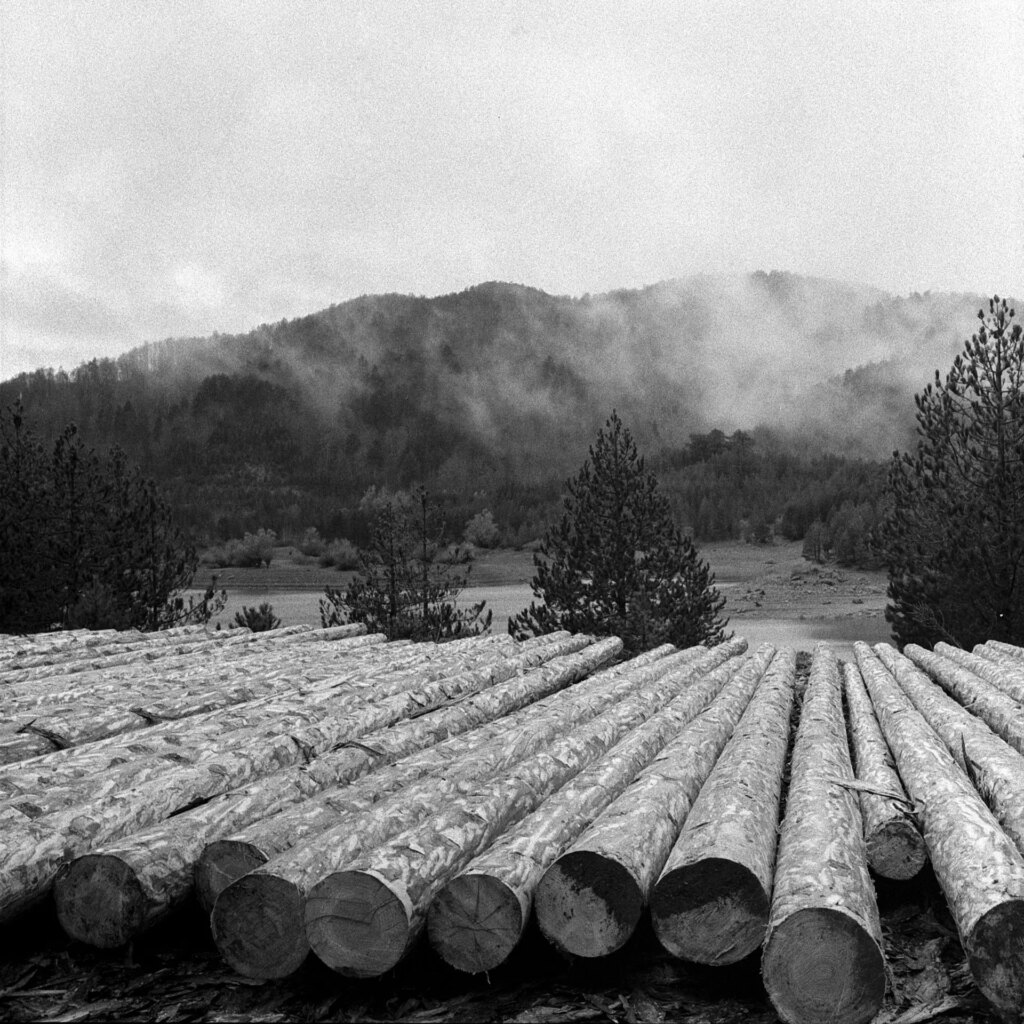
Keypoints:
(277, 890)
(894, 842)
(132, 884)
(993, 766)
(710, 904)
(978, 867)
(590, 900)
(1006, 677)
(478, 918)
(1000, 712)
(822, 956)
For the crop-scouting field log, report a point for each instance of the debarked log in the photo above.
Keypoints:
(894, 842)
(822, 956)
(479, 916)
(978, 867)
(710, 904)
(590, 900)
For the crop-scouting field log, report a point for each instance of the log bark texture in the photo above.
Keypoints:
(710, 904)
(993, 766)
(222, 862)
(479, 916)
(1001, 713)
(590, 900)
(277, 891)
(894, 842)
(133, 883)
(822, 955)
(978, 867)
(1008, 677)
(1009, 650)
(36, 849)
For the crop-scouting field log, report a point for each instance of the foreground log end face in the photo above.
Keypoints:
(896, 851)
(822, 965)
(100, 901)
(995, 952)
(257, 926)
(475, 923)
(357, 923)
(587, 904)
(711, 912)
(222, 863)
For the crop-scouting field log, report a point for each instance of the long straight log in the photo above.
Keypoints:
(1001, 713)
(995, 768)
(96, 771)
(225, 860)
(822, 955)
(1006, 677)
(36, 849)
(478, 918)
(364, 919)
(107, 897)
(276, 892)
(710, 904)
(1010, 650)
(978, 867)
(590, 900)
(894, 842)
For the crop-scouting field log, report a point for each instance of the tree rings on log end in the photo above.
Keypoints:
(820, 964)
(222, 863)
(588, 904)
(713, 911)
(475, 922)
(100, 901)
(358, 923)
(257, 926)
(995, 952)
(896, 850)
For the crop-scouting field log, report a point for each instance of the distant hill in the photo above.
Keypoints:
(502, 386)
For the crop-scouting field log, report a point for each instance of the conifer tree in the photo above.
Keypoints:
(954, 539)
(616, 563)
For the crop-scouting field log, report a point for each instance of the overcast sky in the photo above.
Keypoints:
(175, 168)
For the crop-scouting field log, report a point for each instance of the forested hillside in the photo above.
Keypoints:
(754, 397)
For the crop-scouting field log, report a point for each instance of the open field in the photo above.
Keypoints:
(772, 593)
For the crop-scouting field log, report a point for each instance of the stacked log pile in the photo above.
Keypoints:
(326, 792)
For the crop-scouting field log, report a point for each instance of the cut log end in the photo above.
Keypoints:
(357, 923)
(476, 922)
(896, 850)
(100, 901)
(995, 952)
(222, 863)
(257, 926)
(822, 965)
(713, 911)
(588, 904)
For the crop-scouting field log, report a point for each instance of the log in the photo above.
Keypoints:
(822, 955)
(362, 920)
(1000, 712)
(277, 891)
(589, 902)
(710, 904)
(978, 867)
(36, 849)
(994, 767)
(1009, 650)
(134, 883)
(224, 861)
(479, 917)
(894, 842)
(1006, 677)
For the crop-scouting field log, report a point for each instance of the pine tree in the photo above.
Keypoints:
(406, 587)
(954, 539)
(616, 563)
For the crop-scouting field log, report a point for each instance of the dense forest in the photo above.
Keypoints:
(764, 403)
